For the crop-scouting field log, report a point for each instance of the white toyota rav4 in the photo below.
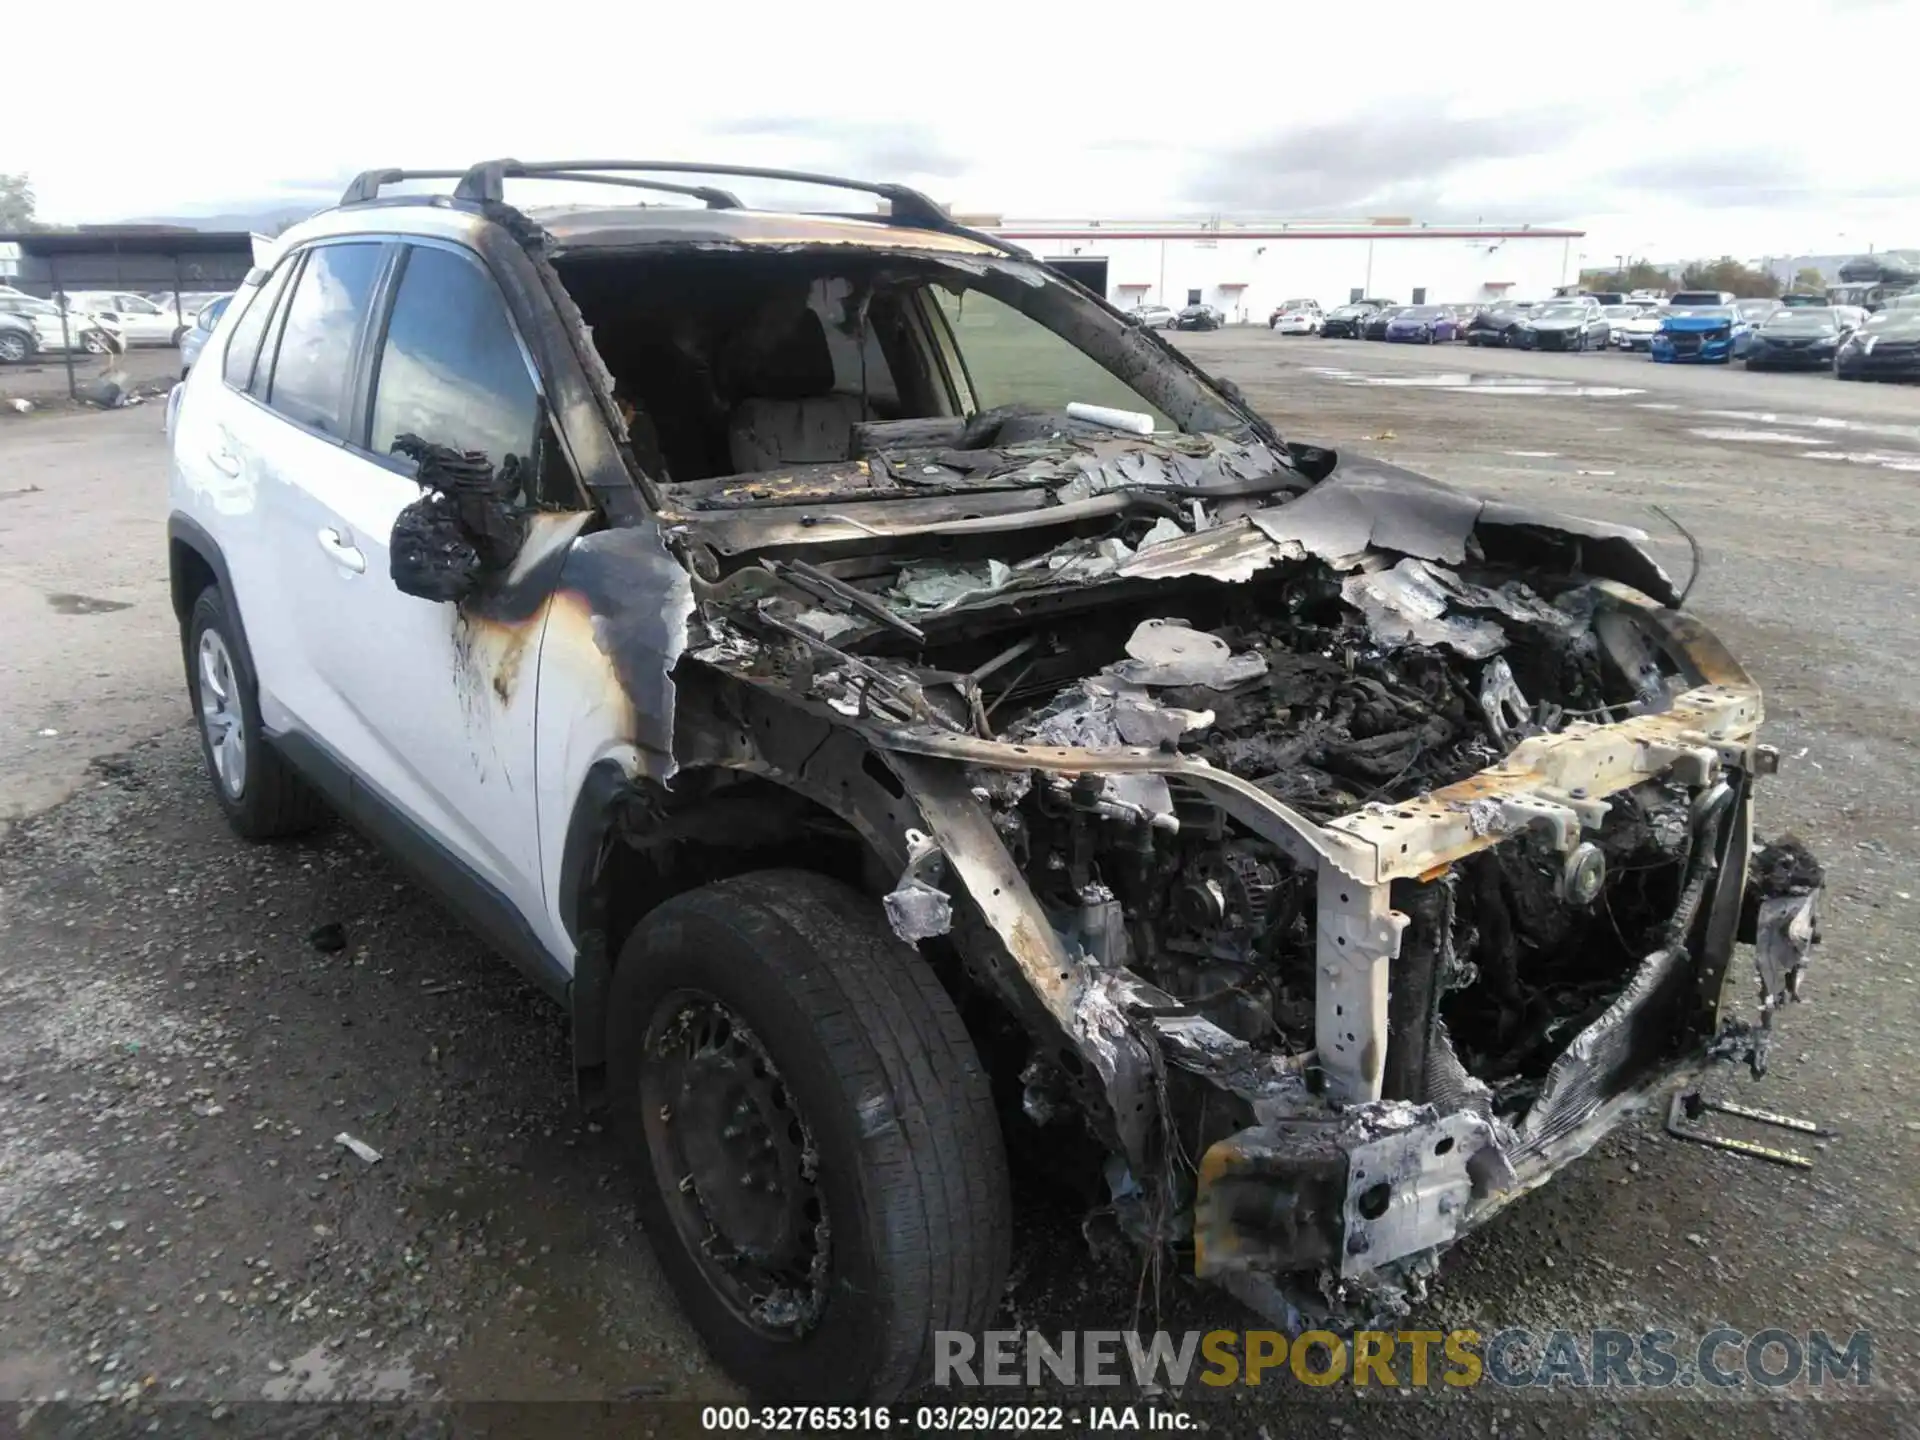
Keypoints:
(914, 719)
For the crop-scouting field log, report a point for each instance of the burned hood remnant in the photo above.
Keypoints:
(1347, 853)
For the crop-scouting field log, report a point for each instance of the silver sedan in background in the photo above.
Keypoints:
(200, 332)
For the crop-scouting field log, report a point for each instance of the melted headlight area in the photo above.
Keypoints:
(1214, 917)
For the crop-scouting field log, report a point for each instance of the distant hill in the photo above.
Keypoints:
(265, 221)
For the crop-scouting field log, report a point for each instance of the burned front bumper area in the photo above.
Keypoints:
(1344, 866)
(1474, 1017)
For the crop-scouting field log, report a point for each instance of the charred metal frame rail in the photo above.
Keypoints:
(1558, 783)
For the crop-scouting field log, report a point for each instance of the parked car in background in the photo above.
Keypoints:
(1344, 322)
(1804, 300)
(1647, 297)
(1151, 317)
(1297, 317)
(1495, 324)
(95, 334)
(1708, 334)
(1699, 299)
(1199, 317)
(186, 309)
(1887, 347)
(1636, 332)
(140, 320)
(18, 339)
(1801, 338)
(1755, 311)
(1375, 325)
(195, 340)
(1423, 325)
(1578, 324)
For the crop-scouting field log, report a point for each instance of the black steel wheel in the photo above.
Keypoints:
(718, 1114)
(820, 1165)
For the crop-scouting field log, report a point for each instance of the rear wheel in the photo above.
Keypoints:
(262, 796)
(14, 347)
(821, 1171)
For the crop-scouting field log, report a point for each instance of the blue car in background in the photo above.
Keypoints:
(1710, 335)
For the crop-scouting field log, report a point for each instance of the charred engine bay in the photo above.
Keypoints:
(1329, 691)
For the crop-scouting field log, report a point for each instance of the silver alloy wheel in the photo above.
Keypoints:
(14, 348)
(220, 714)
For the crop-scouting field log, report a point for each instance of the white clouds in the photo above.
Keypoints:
(1663, 128)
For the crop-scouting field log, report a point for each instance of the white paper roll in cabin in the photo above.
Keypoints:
(1131, 421)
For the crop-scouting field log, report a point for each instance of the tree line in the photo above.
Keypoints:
(1741, 281)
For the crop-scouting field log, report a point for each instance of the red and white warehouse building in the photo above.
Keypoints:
(1246, 267)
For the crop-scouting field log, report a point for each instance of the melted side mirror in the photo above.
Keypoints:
(464, 528)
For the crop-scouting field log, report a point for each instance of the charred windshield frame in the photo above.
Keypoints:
(1138, 359)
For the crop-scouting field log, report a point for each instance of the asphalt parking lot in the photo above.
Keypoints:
(187, 1023)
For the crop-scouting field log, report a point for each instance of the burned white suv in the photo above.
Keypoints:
(910, 716)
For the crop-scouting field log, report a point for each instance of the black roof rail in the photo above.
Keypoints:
(368, 184)
(907, 205)
(485, 182)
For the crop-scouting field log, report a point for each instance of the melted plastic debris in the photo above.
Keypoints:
(827, 624)
(919, 911)
(464, 526)
(1407, 606)
(934, 587)
(725, 643)
(1168, 652)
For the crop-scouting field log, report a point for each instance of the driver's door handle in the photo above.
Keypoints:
(340, 551)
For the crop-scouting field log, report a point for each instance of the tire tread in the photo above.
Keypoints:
(889, 1028)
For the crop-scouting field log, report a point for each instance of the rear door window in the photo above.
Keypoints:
(243, 346)
(314, 361)
(451, 369)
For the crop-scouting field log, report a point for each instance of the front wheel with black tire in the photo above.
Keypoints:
(821, 1169)
(15, 346)
(262, 796)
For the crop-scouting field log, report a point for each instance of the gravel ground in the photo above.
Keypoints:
(187, 1022)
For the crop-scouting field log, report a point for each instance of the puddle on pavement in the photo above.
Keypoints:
(1758, 437)
(1474, 381)
(316, 1375)
(1817, 422)
(85, 604)
(1865, 457)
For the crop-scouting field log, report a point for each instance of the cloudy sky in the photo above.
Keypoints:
(1756, 128)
